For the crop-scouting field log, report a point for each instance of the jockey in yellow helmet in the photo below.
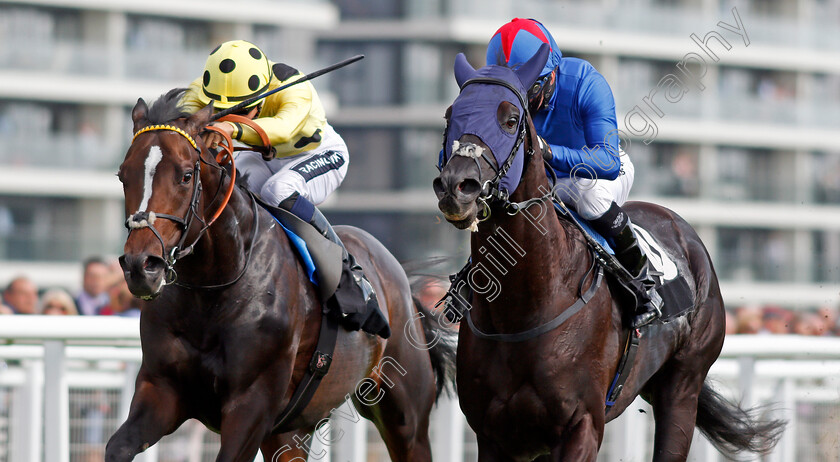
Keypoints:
(310, 158)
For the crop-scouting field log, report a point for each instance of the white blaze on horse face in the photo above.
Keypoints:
(152, 161)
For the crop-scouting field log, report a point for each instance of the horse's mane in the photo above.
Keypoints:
(168, 107)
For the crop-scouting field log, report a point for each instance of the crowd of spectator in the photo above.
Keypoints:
(755, 319)
(104, 292)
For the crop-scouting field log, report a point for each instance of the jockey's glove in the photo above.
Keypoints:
(545, 149)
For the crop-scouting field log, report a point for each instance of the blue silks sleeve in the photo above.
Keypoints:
(600, 155)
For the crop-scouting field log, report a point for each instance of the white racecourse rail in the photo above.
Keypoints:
(66, 382)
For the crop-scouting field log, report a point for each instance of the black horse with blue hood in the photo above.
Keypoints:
(545, 359)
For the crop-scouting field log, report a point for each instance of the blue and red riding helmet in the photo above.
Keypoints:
(571, 103)
(517, 41)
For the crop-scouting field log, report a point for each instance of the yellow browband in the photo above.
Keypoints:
(167, 127)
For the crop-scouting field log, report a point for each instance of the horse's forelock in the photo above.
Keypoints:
(167, 107)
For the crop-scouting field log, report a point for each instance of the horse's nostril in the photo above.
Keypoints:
(469, 187)
(153, 264)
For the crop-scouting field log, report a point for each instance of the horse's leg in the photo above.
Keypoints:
(287, 447)
(155, 411)
(401, 404)
(402, 417)
(674, 402)
(582, 442)
(245, 424)
(674, 391)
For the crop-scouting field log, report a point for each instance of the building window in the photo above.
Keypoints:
(746, 254)
(166, 49)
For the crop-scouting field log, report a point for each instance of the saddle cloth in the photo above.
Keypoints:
(300, 248)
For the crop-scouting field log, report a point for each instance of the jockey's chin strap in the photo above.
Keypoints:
(146, 219)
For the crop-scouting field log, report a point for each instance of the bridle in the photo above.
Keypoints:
(491, 193)
(146, 219)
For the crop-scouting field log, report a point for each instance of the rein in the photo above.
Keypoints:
(146, 219)
(583, 299)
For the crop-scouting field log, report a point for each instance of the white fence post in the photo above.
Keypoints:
(702, 450)
(27, 415)
(788, 442)
(127, 393)
(352, 445)
(629, 441)
(56, 404)
(448, 422)
(746, 378)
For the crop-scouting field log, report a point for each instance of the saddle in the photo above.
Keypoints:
(671, 284)
(324, 264)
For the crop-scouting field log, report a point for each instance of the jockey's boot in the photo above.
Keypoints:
(354, 296)
(615, 224)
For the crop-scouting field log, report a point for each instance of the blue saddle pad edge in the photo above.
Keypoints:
(589, 230)
(302, 250)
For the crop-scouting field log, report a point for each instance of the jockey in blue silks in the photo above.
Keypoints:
(574, 113)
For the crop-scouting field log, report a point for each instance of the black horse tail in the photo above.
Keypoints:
(732, 429)
(442, 352)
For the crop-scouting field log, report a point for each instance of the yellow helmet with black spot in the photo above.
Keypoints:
(234, 71)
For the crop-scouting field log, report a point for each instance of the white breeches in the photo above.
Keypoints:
(592, 198)
(313, 174)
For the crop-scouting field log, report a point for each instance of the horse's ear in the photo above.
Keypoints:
(532, 68)
(138, 114)
(463, 70)
(199, 120)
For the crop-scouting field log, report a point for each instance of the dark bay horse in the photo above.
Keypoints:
(543, 398)
(228, 341)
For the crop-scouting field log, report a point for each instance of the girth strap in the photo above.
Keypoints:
(318, 367)
(625, 365)
(550, 325)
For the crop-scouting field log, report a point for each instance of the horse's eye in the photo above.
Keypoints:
(187, 177)
(512, 122)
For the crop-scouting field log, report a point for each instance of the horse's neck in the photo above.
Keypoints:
(529, 258)
(222, 251)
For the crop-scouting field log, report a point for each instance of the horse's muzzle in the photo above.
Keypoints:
(144, 273)
(457, 196)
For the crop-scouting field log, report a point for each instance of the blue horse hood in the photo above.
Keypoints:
(474, 111)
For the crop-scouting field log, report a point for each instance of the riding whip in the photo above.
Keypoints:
(306, 77)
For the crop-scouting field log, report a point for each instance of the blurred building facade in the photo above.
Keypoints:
(749, 160)
(70, 72)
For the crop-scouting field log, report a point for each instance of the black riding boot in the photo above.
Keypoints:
(615, 224)
(354, 296)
